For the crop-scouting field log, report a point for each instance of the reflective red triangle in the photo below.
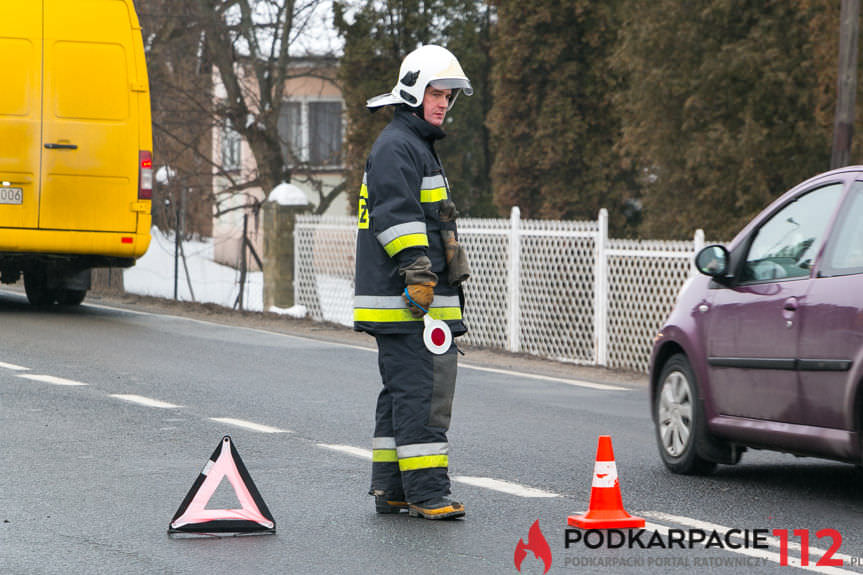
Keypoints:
(194, 517)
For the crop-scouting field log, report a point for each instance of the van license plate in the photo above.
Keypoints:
(11, 195)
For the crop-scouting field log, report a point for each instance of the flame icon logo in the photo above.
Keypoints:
(535, 542)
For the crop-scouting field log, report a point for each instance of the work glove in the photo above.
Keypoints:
(422, 294)
(458, 270)
(420, 282)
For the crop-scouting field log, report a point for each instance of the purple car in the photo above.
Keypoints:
(765, 349)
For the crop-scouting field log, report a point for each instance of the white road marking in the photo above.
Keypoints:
(483, 482)
(503, 486)
(573, 382)
(349, 450)
(145, 401)
(13, 367)
(814, 552)
(249, 425)
(50, 379)
(227, 325)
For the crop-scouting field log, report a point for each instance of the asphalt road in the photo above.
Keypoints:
(97, 456)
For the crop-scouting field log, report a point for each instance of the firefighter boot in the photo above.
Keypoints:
(440, 508)
(384, 504)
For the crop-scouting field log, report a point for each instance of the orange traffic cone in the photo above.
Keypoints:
(606, 506)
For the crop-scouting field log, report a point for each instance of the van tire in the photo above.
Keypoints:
(71, 297)
(36, 288)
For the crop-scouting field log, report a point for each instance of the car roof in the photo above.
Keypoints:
(843, 169)
(783, 198)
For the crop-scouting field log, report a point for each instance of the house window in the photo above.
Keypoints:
(325, 133)
(231, 146)
(291, 133)
(311, 132)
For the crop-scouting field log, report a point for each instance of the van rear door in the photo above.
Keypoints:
(90, 138)
(20, 112)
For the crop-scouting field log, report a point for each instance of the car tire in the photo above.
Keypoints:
(679, 419)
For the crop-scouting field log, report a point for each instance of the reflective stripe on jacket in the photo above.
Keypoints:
(399, 207)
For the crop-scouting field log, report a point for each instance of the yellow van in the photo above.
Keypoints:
(75, 144)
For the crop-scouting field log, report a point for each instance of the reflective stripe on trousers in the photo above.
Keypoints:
(410, 457)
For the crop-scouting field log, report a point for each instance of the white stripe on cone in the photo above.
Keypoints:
(604, 474)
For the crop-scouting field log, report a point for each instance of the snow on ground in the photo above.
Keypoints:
(153, 275)
(336, 296)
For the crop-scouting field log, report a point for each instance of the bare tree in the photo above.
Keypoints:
(224, 65)
(181, 96)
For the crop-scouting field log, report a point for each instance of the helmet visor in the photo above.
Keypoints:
(462, 84)
(383, 100)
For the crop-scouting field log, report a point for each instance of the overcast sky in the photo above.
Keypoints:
(319, 36)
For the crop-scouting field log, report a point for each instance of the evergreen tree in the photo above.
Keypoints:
(553, 125)
(721, 107)
(377, 36)
(466, 152)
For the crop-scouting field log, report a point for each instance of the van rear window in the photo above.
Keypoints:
(91, 81)
(15, 54)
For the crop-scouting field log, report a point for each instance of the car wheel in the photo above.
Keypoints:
(36, 288)
(679, 417)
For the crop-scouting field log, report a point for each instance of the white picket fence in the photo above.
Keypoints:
(555, 289)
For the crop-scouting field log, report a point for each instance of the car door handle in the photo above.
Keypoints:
(790, 304)
(61, 147)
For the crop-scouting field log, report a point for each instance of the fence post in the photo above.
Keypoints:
(600, 292)
(297, 258)
(514, 281)
(697, 244)
(280, 211)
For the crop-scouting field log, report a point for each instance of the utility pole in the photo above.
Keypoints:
(843, 125)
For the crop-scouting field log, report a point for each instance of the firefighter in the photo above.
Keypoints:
(409, 262)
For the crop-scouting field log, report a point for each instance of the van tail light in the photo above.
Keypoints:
(145, 175)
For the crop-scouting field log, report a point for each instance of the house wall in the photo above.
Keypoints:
(228, 229)
(304, 86)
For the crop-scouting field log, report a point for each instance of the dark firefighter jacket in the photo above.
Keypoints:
(398, 220)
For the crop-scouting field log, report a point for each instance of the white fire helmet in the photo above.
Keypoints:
(427, 65)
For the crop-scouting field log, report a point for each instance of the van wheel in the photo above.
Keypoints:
(679, 419)
(71, 297)
(36, 288)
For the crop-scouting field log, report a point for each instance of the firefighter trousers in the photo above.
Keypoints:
(410, 450)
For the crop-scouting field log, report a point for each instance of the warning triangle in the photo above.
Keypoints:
(193, 515)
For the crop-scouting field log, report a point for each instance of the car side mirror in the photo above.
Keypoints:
(713, 261)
